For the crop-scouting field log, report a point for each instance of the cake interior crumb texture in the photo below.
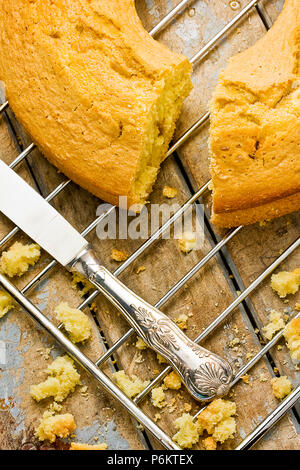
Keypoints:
(276, 323)
(217, 421)
(6, 303)
(292, 336)
(255, 128)
(131, 386)
(99, 96)
(281, 386)
(76, 323)
(187, 433)
(158, 397)
(80, 446)
(173, 381)
(188, 242)
(18, 258)
(53, 426)
(62, 380)
(286, 282)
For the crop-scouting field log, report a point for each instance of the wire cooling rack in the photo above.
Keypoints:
(94, 368)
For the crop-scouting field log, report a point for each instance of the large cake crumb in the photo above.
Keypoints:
(285, 282)
(173, 381)
(6, 303)
(276, 323)
(62, 380)
(80, 446)
(158, 397)
(53, 426)
(131, 386)
(292, 336)
(75, 322)
(217, 420)
(188, 431)
(281, 386)
(18, 258)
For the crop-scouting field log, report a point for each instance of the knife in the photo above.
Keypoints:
(205, 374)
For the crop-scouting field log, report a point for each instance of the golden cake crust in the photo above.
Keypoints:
(84, 78)
(255, 128)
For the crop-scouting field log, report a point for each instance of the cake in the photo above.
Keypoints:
(281, 386)
(188, 432)
(255, 128)
(6, 303)
(75, 322)
(62, 380)
(131, 386)
(292, 336)
(80, 446)
(286, 282)
(53, 426)
(97, 94)
(18, 258)
(158, 397)
(276, 323)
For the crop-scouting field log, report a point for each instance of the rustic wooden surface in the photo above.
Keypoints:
(205, 296)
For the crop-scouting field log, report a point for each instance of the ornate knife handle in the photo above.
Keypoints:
(205, 374)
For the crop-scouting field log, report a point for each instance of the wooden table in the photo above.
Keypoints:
(22, 345)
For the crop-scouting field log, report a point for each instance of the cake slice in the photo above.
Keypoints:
(97, 94)
(255, 128)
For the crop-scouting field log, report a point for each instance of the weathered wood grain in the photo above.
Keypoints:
(204, 297)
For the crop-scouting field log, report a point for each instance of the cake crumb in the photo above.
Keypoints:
(18, 258)
(181, 321)
(276, 323)
(161, 359)
(75, 322)
(157, 417)
(158, 397)
(209, 443)
(169, 192)
(62, 380)
(188, 432)
(246, 379)
(187, 407)
(188, 242)
(81, 284)
(217, 419)
(52, 426)
(131, 386)
(140, 344)
(80, 446)
(286, 282)
(173, 381)
(292, 336)
(140, 269)
(119, 255)
(6, 303)
(281, 386)
(234, 342)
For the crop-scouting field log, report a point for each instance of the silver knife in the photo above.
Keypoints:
(205, 374)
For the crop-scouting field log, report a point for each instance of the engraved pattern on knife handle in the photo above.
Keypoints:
(205, 374)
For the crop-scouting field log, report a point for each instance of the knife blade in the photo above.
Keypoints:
(204, 373)
(20, 203)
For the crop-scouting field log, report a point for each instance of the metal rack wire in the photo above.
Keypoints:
(94, 368)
